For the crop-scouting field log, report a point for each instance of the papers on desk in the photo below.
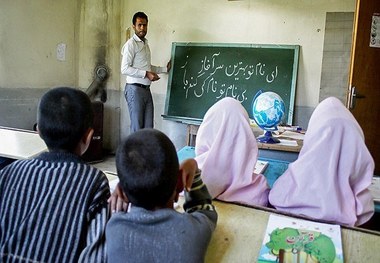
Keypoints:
(288, 138)
(290, 239)
(374, 188)
(288, 142)
(292, 135)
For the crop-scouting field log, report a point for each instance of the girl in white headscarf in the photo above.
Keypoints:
(330, 178)
(226, 151)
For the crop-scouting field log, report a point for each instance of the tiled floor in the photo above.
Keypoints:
(107, 165)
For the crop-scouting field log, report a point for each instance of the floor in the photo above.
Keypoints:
(107, 165)
(109, 168)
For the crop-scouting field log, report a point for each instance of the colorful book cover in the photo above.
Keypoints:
(302, 241)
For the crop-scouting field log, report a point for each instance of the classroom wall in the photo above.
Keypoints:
(32, 35)
(98, 45)
(336, 55)
(94, 31)
(292, 22)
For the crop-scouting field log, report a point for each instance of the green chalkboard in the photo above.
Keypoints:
(204, 73)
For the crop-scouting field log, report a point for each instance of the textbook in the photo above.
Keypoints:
(291, 240)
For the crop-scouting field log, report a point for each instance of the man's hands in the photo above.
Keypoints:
(152, 76)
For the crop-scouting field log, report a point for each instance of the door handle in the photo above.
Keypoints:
(354, 96)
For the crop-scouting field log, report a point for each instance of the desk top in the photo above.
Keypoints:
(20, 144)
(240, 232)
(281, 147)
(289, 142)
(286, 138)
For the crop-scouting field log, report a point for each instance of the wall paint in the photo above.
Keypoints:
(99, 44)
(31, 30)
(291, 22)
(29, 34)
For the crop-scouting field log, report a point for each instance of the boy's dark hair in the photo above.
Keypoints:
(147, 166)
(139, 15)
(64, 115)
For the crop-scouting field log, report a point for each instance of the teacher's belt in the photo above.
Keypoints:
(140, 85)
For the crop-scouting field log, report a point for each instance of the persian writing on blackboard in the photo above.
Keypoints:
(224, 80)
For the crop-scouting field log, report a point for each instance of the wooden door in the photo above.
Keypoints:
(364, 84)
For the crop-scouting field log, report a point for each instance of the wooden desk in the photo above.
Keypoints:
(280, 147)
(192, 131)
(20, 144)
(240, 232)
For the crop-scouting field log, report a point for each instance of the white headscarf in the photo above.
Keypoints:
(226, 151)
(331, 176)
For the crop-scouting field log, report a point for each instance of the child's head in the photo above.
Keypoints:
(64, 119)
(147, 166)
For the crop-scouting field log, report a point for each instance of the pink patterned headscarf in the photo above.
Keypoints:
(330, 178)
(226, 151)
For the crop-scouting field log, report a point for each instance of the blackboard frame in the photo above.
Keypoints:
(178, 54)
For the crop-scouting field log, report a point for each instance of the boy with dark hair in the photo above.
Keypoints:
(54, 208)
(151, 180)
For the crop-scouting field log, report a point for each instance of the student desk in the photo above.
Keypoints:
(240, 232)
(20, 144)
(266, 150)
(274, 170)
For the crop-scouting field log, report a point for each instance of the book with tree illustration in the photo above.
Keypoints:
(302, 241)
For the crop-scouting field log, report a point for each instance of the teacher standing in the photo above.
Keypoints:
(136, 64)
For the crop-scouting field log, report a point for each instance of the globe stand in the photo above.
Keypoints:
(268, 138)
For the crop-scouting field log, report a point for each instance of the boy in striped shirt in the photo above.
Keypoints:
(53, 208)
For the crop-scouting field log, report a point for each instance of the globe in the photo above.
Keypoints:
(268, 110)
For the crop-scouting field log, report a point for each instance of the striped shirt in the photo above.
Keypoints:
(53, 209)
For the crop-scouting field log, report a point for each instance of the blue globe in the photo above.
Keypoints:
(268, 109)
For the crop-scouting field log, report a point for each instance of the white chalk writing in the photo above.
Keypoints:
(223, 80)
